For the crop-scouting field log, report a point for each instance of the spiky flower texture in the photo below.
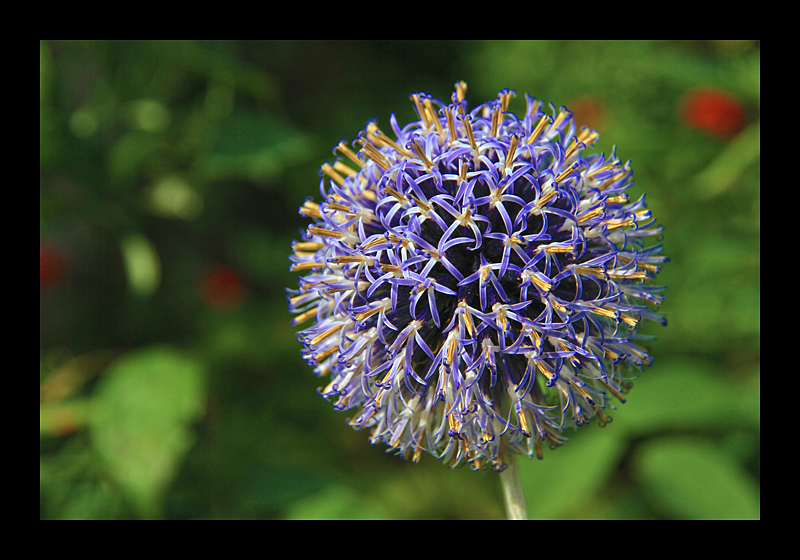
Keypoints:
(475, 283)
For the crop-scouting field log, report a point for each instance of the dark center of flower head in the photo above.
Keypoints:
(476, 282)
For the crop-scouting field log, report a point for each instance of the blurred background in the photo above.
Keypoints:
(171, 382)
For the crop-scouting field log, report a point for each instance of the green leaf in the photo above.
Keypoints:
(687, 394)
(570, 475)
(142, 265)
(128, 155)
(265, 487)
(693, 479)
(337, 503)
(141, 421)
(728, 167)
(252, 146)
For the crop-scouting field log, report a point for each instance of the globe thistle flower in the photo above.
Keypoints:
(475, 280)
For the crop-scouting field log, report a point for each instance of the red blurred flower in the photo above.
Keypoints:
(588, 111)
(52, 266)
(222, 287)
(713, 111)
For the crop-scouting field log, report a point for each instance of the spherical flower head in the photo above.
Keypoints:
(475, 283)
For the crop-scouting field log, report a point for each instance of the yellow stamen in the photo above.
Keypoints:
(314, 230)
(607, 354)
(523, 423)
(455, 426)
(559, 119)
(305, 266)
(621, 199)
(573, 359)
(433, 253)
(651, 267)
(376, 155)
(305, 316)
(567, 172)
(545, 371)
(369, 313)
(307, 246)
(502, 320)
(329, 171)
(391, 143)
(470, 135)
(591, 214)
(370, 244)
(400, 197)
(452, 344)
(337, 207)
(461, 91)
(647, 266)
(310, 209)
(363, 212)
(588, 136)
(541, 284)
(538, 446)
(610, 313)
(613, 179)
(593, 270)
(372, 136)
(421, 155)
(295, 299)
(512, 151)
(369, 194)
(320, 337)
(496, 196)
(639, 353)
(402, 240)
(467, 318)
(344, 149)
(434, 118)
(505, 97)
(616, 223)
(548, 193)
(613, 391)
(485, 270)
(466, 218)
(349, 259)
(607, 167)
(637, 275)
(451, 123)
(572, 149)
(555, 248)
(423, 205)
(536, 339)
(543, 122)
(304, 253)
(322, 355)
(495, 120)
(342, 168)
(423, 114)
(582, 392)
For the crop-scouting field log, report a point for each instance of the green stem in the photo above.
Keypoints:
(512, 488)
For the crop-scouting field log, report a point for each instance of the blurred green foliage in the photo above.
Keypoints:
(171, 384)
